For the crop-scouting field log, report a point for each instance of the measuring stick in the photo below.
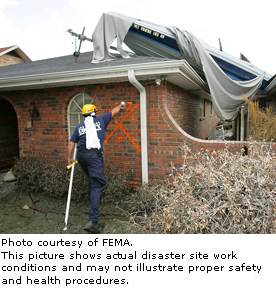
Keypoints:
(70, 190)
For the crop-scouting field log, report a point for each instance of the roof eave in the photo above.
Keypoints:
(8, 50)
(178, 72)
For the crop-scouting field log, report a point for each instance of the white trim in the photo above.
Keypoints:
(18, 51)
(143, 121)
(175, 70)
(76, 113)
(8, 50)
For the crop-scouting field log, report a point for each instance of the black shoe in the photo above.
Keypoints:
(94, 228)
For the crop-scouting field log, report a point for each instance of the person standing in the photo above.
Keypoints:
(90, 135)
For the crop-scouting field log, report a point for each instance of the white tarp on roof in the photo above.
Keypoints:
(227, 94)
(110, 26)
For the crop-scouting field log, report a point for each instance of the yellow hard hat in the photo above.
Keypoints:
(88, 108)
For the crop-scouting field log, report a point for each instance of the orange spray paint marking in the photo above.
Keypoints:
(120, 125)
(120, 122)
(120, 139)
(133, 142)
(130, 104)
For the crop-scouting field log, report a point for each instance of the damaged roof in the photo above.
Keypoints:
(67, 63)
(62, 71)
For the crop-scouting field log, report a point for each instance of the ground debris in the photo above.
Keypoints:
(38, 209)
(33, 197)
(48, 215)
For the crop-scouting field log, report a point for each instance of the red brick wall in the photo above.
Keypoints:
(172, 115)
(185, 110)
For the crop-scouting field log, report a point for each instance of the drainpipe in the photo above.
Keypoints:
(247, 122)
(242, 123)
(143, 116)
(238, 128)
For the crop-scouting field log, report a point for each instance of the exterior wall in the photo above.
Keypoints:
(185, 109)
(172, 113)
(7, 59)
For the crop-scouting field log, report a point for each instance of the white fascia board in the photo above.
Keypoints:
(104, 74)
(21, 54)
(18, 51)
(8, 50)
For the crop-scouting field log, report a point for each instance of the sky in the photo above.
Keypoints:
(39, 27)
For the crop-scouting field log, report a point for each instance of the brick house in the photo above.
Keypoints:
(12, 55)
(9, 133)
(167, 104)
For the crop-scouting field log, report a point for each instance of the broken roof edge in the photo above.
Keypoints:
(174, 70)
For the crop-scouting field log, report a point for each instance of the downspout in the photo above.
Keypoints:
(143, 116)
(242, 123)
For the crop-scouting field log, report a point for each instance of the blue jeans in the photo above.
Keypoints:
(93, 166)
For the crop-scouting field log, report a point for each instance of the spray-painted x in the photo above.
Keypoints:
(120, 125)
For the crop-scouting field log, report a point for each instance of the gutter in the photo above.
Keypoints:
(99, 75)
(143, 117)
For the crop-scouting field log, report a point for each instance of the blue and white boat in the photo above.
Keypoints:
(147, 39)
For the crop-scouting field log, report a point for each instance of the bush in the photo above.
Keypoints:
(117, 185)
(262, 122)
(39, 176)
(52, 179)
(220, 193)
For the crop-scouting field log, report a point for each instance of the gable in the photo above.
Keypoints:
(12, 55)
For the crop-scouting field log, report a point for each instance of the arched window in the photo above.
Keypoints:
(74, 111)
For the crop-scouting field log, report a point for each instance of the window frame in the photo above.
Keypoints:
(78, 113)
(202, 112)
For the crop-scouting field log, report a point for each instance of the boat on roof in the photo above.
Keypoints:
(148, 39)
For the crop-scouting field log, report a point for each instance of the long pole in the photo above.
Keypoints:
(70, 190)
